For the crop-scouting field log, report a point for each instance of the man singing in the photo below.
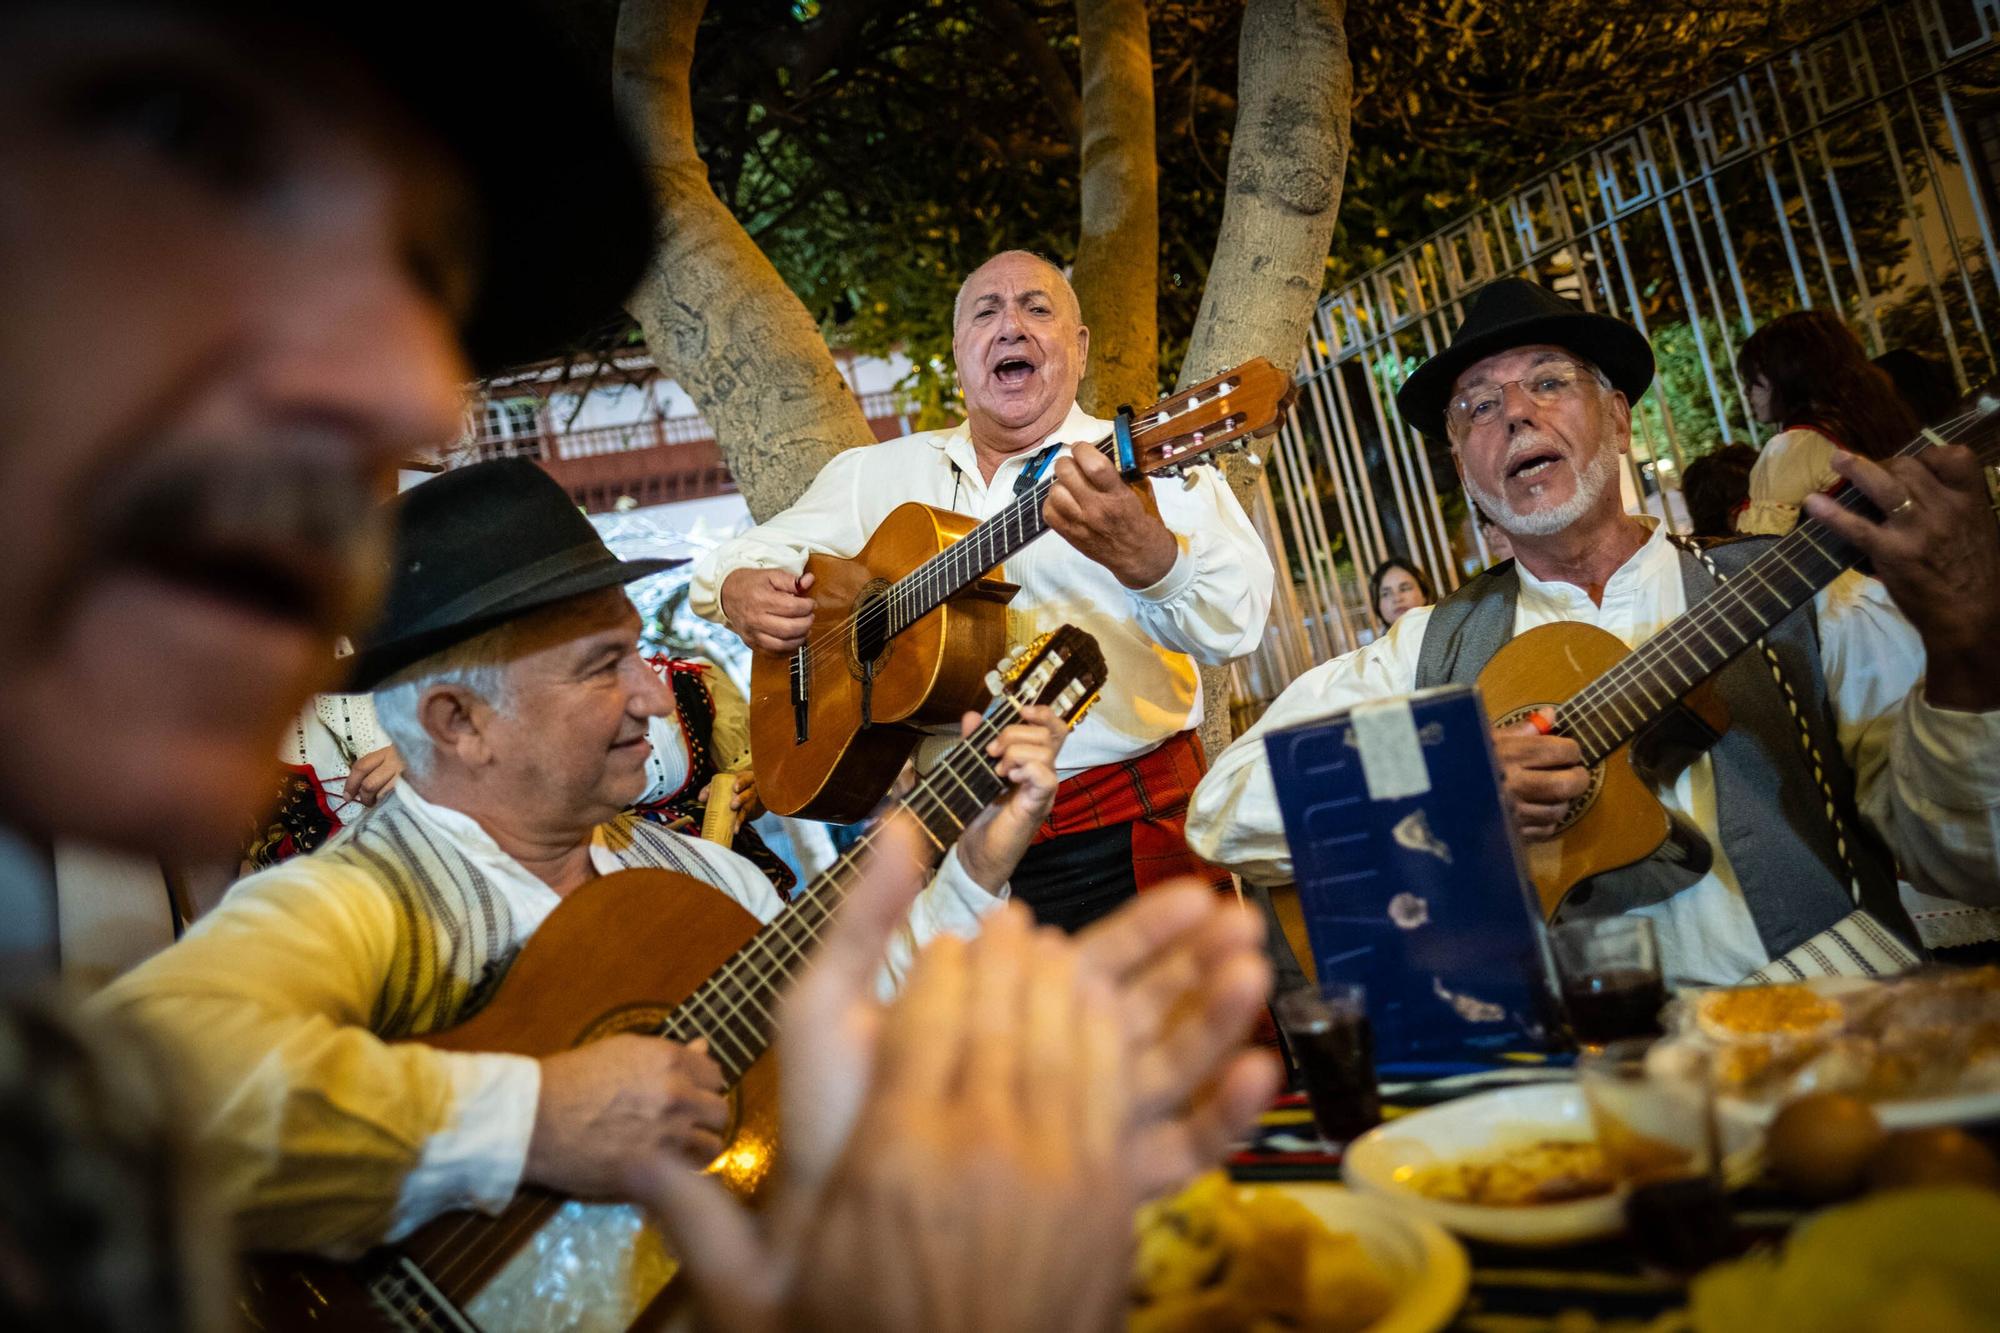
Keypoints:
(1892, 675)
(1164, 576)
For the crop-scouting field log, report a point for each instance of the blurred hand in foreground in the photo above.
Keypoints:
(969, 1154)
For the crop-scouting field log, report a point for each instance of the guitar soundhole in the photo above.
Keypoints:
(1581, 803)
(868, 641)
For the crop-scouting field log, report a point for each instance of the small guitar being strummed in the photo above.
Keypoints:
(902, 632)
(1603, 696)
(655, 952)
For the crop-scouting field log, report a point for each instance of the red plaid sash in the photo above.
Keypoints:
(1151, 794)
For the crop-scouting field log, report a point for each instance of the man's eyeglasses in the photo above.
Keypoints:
(1480, 405)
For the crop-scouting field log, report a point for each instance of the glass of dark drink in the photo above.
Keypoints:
(1327, 1030)
(1609, 968)
(1653, 1105)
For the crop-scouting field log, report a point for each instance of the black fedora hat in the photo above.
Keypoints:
(475, 548)
(1514, 312)
(567, 217)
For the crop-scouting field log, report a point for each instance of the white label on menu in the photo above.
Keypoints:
(1392, 758)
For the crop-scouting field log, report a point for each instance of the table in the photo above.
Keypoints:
(1570, 1289)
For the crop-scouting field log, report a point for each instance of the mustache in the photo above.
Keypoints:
(293, 525)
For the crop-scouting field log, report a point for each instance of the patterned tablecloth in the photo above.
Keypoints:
(1571, 1289)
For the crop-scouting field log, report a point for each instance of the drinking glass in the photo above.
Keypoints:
(1610, 973)
(1653, 1104)
(1327, 1030)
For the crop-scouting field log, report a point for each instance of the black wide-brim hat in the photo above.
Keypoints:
(475, 548)
(568, 217)
(1514, 312)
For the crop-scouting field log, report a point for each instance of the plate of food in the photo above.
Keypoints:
(1922, 1049)
(1516, 1166)
(1310, 1256)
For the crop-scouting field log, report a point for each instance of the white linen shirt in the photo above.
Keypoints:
(324, 1134)
(1791, 465)
(1209, 607)
(1928, 779)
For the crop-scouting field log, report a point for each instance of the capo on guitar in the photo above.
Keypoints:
(1121, 427)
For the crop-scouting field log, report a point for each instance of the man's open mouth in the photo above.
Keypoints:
(1534, 463)
(1013, 371)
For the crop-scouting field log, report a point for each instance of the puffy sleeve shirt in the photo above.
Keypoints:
(1210, 607)
(320, 1134)
(1791, 465)
(1928, 778)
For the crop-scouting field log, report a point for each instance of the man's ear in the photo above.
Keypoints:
(1083, 346)
(1620, 409)
(455, 719)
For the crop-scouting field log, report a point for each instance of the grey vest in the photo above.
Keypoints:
(455, 936)
(1774, 824)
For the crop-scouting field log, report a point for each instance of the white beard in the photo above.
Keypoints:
(1590, 483)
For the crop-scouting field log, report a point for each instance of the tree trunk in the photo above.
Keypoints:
(719, 320)
(1286, 160)
(1117, 275)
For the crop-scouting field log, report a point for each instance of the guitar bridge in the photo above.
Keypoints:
(801, 709)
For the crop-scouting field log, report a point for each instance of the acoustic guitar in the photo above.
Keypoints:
(639, 951)
(902, 631)
(1606, 697)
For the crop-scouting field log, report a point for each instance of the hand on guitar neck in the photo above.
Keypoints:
(1937, 550)
(1025, 751)
(1111, 521)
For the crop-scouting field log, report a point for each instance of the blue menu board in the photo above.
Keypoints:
(1410, 877)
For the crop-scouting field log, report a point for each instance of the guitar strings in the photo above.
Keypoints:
(1595, 709)
(455, 1249)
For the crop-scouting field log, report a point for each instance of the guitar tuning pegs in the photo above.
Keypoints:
(994, 683)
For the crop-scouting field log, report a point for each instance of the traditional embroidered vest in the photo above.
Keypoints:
(455, 935)
(1774, 824)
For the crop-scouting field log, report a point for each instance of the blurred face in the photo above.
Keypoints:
(1759, 391)
(1400, 593)
(233, 279)
(569, 749)
(1545, 451)
(1020, 345)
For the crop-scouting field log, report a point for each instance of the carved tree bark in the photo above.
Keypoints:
(1287, 158)
(718, 318)
(1117, 274)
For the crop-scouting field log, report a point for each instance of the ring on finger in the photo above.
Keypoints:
(1909, 503)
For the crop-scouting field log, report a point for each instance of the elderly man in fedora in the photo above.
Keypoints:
(508, 674)
(1892, 674)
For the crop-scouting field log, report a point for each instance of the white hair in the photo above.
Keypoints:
(1062, 277)
(477, 665)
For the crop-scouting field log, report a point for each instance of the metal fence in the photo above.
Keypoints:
(1854, 172)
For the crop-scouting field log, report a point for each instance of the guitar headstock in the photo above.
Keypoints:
(1219, 415)
(1063, 669)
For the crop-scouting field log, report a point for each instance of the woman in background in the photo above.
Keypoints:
(1398, 586)
(1807, 374)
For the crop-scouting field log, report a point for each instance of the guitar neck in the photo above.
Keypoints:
(735, 1008)
(1662, 670)
(967, 560)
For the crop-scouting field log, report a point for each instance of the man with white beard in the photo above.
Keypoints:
(1534, 395)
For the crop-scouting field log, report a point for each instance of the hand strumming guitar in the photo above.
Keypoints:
(625, 1099)
(1937, 551)
(766, 608)
(1114, 523)
(1539, 776)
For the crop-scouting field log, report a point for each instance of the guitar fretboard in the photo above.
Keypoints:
(1662, 670)
(735, 1009)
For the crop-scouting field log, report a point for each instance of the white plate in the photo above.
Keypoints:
(1490, 1121)
(1425, 1266)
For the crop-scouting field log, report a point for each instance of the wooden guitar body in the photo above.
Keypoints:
(617, 955)
(1619, 820)
(929, 675)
